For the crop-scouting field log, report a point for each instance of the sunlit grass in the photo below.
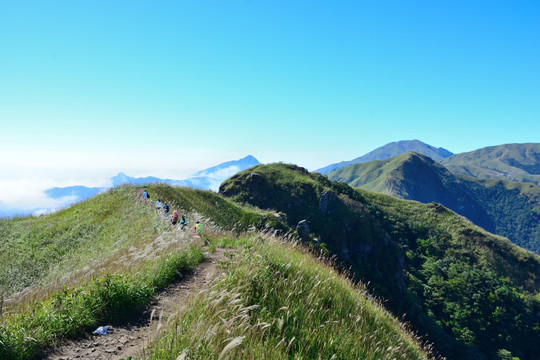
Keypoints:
(40, 251)
(276, 301)
(75, 311)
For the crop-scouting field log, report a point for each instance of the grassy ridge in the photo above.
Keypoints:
(41, 250)
(224, 213)
(370, 175)
(94, 234)
(97, 260)
(277, 302)
(520, 162)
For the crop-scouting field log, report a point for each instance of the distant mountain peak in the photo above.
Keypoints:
(120, 179)
(390, 150)
(249, 158)
(229, 167)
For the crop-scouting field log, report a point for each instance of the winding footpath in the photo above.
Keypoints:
(131, 338)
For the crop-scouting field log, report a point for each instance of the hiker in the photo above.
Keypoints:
(183, 222)
(198, 229)
(158, 204)
(145, 195)
(166, 210)
(174, 218)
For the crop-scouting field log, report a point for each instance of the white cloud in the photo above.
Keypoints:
(222, 173)
(24, 196)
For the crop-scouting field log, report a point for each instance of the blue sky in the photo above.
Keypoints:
(165, 88)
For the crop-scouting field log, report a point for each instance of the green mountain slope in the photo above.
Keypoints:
(42, 250)
(517, 162)
(462, 287)
(391, 150)
(36, 251)
(277, 301)
(101, 260)
(503, 207)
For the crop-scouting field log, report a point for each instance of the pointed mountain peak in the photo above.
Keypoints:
(120, 179)
(249, 158)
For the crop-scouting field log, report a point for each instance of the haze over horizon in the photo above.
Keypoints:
(166, 88)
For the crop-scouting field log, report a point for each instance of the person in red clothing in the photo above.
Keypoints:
(174, 218)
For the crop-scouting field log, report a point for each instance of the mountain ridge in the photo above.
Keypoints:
(509, 209)
(390, 150)
(426, 261)
(516, 162)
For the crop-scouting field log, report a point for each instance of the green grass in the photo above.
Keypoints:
(232, 242)
(75, 311)
(221, 212)
(99, 260)
(370, 175)
(427, 259)
(36, 251)
(276, 301)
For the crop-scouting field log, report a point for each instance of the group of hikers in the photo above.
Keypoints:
(175, 218)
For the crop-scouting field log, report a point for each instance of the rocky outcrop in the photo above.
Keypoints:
(303, 230)
(328, 201)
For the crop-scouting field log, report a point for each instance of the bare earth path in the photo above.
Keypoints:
(131, 338)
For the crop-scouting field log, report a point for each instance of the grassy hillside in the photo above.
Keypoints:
(94, 236)
(108, 256)
(43, 250)
(369, 175)
(108, 244)
(517, 162)
(277, 301)
(503, 207)
(472, 293)
(223, 213)
(95, 261)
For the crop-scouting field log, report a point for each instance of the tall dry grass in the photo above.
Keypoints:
(277, 301)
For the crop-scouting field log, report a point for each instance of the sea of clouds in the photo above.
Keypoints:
(23, 197)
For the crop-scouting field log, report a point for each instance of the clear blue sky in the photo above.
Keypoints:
(90, 88)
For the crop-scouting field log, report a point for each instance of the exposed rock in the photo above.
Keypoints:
(303, 230)
(328, 201)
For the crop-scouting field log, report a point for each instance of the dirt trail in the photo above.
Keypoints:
(130, 339)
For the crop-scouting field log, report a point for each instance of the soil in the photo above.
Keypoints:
(131, 338)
